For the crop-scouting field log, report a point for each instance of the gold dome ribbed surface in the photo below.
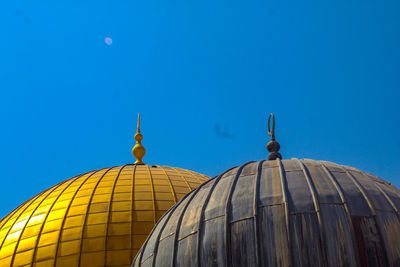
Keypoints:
(100, 218)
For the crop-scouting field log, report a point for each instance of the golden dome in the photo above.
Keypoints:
(100, 218)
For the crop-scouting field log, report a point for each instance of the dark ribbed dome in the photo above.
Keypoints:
(281, 213)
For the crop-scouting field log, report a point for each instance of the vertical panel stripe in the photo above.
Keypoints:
(168, 214)
(255, 211)
(203, 209)
(14, 211)
(152, 193)
(387, 198)
(194, 175)
(132, 209)
(68, 208)
(23, 229)
(282, 178)
(87, 212)
(170, 185)
(109, 210)
(183, 178)
(347, 210)
(227, 229)
(45, 218)
(372, 208)
(178, 226)
(21, 212)
(314, 195)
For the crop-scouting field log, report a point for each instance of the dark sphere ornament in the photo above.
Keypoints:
(273, 146)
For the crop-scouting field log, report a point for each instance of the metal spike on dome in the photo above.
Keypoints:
(272, 146)
(138, 150)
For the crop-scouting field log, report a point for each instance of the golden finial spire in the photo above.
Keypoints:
(138, 150)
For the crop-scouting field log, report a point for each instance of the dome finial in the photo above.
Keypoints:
(272, 146)
(138, 150)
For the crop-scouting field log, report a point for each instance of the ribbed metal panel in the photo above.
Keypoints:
(100, 218)
(281, 213)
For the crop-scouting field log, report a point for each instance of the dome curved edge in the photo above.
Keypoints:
(281, 213)
(100, 217)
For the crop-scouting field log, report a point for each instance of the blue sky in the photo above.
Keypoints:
(204, 75)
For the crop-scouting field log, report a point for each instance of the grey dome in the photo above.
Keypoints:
(281, 213)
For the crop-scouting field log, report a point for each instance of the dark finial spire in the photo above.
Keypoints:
(272, 146)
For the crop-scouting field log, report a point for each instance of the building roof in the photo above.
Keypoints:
(95, 219)
(281, 213)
